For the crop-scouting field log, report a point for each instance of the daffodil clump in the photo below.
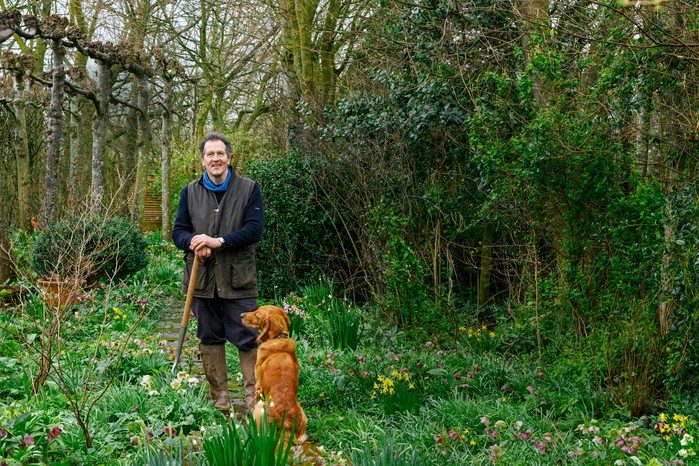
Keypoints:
(479, 337)
(117, 318)
(396, 393)
(680, 431)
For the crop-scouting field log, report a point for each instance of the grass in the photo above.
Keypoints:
(471, 403)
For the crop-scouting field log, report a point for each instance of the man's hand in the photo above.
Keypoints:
(202, 245)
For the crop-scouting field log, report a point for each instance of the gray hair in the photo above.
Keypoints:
(213, 136)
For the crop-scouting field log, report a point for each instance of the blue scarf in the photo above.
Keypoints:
(211, 186)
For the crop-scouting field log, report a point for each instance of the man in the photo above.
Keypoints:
(219, 220)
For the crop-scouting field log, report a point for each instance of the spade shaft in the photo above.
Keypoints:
(185, 314)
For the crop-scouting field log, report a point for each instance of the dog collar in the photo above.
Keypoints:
(282, 335)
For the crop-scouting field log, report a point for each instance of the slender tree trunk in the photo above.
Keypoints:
(41, 9)
(81, 115)
(55, 134)
(143, 153)
(201, 112)
(165, 160)
(22, 154)
(667, 304)
(305, 13)
(6, 267)
(99, 138)
(7, 270)
(674, 158)
(75, 145)
(640, 111)
(195, 114)
(327, 52)
(436, 249)
(535, 17)
(130, 157)
(486, 264)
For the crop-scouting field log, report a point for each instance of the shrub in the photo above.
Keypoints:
(299, 237)
(90, 248)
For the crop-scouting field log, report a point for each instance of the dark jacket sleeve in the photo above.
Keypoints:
(251, 231)
(182, 230)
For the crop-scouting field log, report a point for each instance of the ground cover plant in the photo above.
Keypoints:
(375, 393)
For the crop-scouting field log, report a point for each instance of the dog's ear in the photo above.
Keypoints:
(265, 330)
(277, 324)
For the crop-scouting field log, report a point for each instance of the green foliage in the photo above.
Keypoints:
(250, 445)
(298, 318)
(28, 438)
(385, 454)
(179, 455)
(681, 352)
(299, 237)
(404, 298)
(340, 318)
(472, 403)
(344, 325)
(317, 293)
(89, 247)
(396, 393)
(226, 448)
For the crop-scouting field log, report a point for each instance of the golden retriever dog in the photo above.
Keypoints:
(277, 371)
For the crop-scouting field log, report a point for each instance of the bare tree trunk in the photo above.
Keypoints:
(99, 138)
(195, 110)
(328, 52)
(667, 303)
(535, 16)
(75, 145)
(40, 9)
(81, 115)
(671, 108)
(22, 154)
(55, 134)
(165, 160)
(486, 264)
(7, 270)
(130, 156)
(6, 267)
(143, 153)
(640, 111)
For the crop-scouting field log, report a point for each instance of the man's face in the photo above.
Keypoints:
(215, 161)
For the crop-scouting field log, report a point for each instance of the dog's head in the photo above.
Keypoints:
(271, 320)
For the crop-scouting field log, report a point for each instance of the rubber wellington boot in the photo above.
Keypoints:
(248, 359)
(214, 359)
